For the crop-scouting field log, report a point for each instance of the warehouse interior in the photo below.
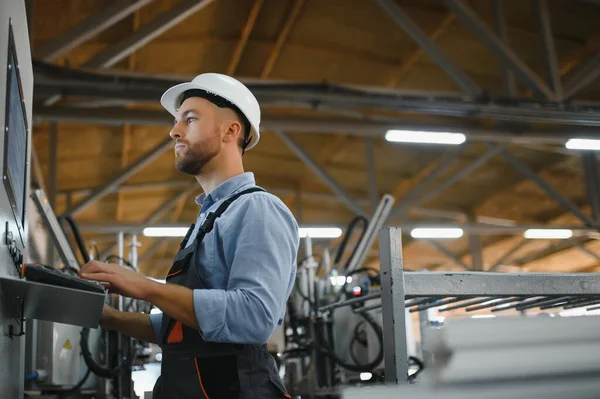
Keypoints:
(440, 157)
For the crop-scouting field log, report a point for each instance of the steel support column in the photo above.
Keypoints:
(405, 22)
(87, 29)
(142, 162)
(520, 244)
(548, 48)
(588, 252)
(479, 28)
(565, 202)
(146, 34)
(458, 175)
(392, 306)
(582, 77)
(440, 247)
(321, 173)
(448, 159)
(500, 25)
(371, 173)
(475, 247)
(154, 217)
(591, 175)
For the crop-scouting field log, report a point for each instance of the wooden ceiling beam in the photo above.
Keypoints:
(246, 31)
(416, 55)
(282, 39)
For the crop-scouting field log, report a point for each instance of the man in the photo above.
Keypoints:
(226, 291)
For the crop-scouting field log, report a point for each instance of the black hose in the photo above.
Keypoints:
(421, 366)
(78, 238)
(100, 371)
(360, 368)
(344, 243)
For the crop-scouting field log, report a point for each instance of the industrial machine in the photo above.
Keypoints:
(16, 90)
(74, 359)
(328, 349)
(50, 343)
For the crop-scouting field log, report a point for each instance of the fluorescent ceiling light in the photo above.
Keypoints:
(413, 136)
(548, 234)
(583, 144)
(165, 231)
(315, 232)
(448, 232)
(320, 232)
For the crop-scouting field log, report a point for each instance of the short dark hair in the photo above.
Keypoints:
(223, 103)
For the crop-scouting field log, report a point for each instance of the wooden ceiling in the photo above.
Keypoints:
(338, 42)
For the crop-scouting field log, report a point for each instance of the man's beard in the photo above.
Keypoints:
(192, 163)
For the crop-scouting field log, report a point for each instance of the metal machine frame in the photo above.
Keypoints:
(417, 291)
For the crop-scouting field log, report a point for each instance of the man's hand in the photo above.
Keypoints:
(119, 280)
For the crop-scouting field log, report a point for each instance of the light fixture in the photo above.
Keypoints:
(165, 231)
(436, 232)
(414, 136)
(548, 234)
(583, 144)
(365, 376)
(320, 232)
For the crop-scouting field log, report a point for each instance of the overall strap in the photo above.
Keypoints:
(171, 331)
(209, 223)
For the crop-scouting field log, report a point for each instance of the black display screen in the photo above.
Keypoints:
(15, 139)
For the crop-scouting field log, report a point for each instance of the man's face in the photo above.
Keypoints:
(196, 134)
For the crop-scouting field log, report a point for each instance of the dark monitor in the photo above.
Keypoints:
(15, 140)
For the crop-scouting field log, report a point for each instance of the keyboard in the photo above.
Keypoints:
(49, 275)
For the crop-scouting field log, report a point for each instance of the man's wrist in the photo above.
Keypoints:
(151, 291)
(108, 320)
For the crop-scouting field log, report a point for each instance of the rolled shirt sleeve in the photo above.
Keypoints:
(260, 247)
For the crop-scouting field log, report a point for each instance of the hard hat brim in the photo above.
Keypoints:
(170, 101)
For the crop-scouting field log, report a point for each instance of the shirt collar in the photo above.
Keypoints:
(226, 188)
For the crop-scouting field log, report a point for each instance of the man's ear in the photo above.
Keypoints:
(234, 130)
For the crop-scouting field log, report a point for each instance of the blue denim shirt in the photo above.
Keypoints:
(250, 260)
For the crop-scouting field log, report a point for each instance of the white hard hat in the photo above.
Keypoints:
(222, 86)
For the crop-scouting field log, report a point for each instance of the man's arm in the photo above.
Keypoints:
(261, 250)
(132, 324)
(260, 246)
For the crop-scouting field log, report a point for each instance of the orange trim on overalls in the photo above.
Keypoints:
(200, 379)
(176, 334)
(174, 273)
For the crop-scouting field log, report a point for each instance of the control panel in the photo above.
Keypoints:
(13, 249)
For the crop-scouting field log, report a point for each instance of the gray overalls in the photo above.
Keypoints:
(194, 368)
